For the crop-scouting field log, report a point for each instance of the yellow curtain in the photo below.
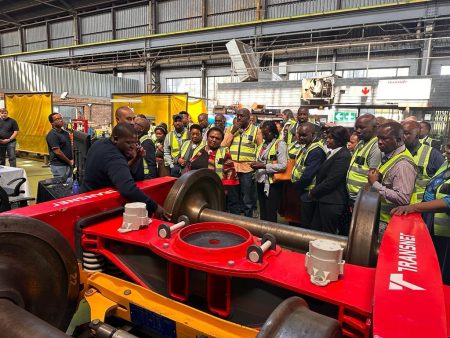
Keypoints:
(160, 106)
(195, 108)
(31, 112)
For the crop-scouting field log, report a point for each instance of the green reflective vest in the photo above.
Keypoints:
(271, 156)
(293, 149)
(292, 133)
(287, 130)
(299, 167)
(442, 219)
(141, 140)
(187, 145)
(243, 148)
(386, 206)
(175, 144)
(359, 167)
(421, 159)
(427, 140)
(218, 161)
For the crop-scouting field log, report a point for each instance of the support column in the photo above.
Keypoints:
(152, 18)
(425, 61)
(333, 65)
(76, 30)
(204, 82)
(21, 39)
(152, 77)
(204, 13)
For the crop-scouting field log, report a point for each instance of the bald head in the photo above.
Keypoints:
(306, 133)
(411, 131)
(366, 127)
(390, 137)
(125, 115)
(203, 120)
(243, 117)
(142, 125)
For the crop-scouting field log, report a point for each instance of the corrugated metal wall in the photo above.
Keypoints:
(131, 22)
(35, 38)
(61, 34)
(179, 15)
(283, 8)
(28, 77)
(172, 16)
(96, 28)
(361, 3)
(9, 42)
(224, 12)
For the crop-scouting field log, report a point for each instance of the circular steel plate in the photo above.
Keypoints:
(362, 242)
(194, 191)
(214, 239)
(38, 269)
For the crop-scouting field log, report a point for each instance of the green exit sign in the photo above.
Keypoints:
(344, 116)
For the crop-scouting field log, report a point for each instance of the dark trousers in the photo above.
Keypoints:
(328, 217)
(306, 210)
(442, 246)
(175, 171)
(269, 205)
(242, 197)
(9, 148)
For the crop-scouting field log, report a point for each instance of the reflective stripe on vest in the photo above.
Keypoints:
(141, 140)
(287, 129)
(421, 160)
(299, 167)
(185, 147)
(294, 149)
(359, 168)
(220, 154)
(292, 133)
(174, 145)
(386, 206)
(442, 219)
(271, 156)
(243, 148)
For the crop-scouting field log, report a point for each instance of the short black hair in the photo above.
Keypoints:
(395, 128)
(272, 128)
(196, 126)
(50, 117)
(427, 124)
(183, 112)
(215, 129)
(340, 135)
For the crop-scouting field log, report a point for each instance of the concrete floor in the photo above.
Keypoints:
(36, 171)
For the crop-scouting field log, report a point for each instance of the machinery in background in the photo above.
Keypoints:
(199, 278)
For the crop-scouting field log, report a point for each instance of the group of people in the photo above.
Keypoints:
(258, 165)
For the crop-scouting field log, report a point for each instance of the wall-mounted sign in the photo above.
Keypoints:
(404, 89)
(344, 116)
(353, 95)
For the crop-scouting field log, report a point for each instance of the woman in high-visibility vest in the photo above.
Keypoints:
(435, 210)
(271, 157)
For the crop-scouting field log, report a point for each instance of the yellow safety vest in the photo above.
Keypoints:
(218, 161)
(185, 147)
(427, 140)
(243, 148)
(299, 167)
(442, 219)
(141, 140)
(151, 133)
(386, 206)
(359, 167)
(287, 128)
(292, 133)
(421, 159)
(293, 150)
(271, 156)
(175, 146)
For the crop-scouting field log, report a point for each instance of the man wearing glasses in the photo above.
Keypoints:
(59, 149)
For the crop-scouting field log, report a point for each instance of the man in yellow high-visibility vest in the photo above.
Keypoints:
(395, 177)
(243, 139)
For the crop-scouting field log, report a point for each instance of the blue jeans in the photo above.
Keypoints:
(62, 171)
(242, 197)
(9, 148)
